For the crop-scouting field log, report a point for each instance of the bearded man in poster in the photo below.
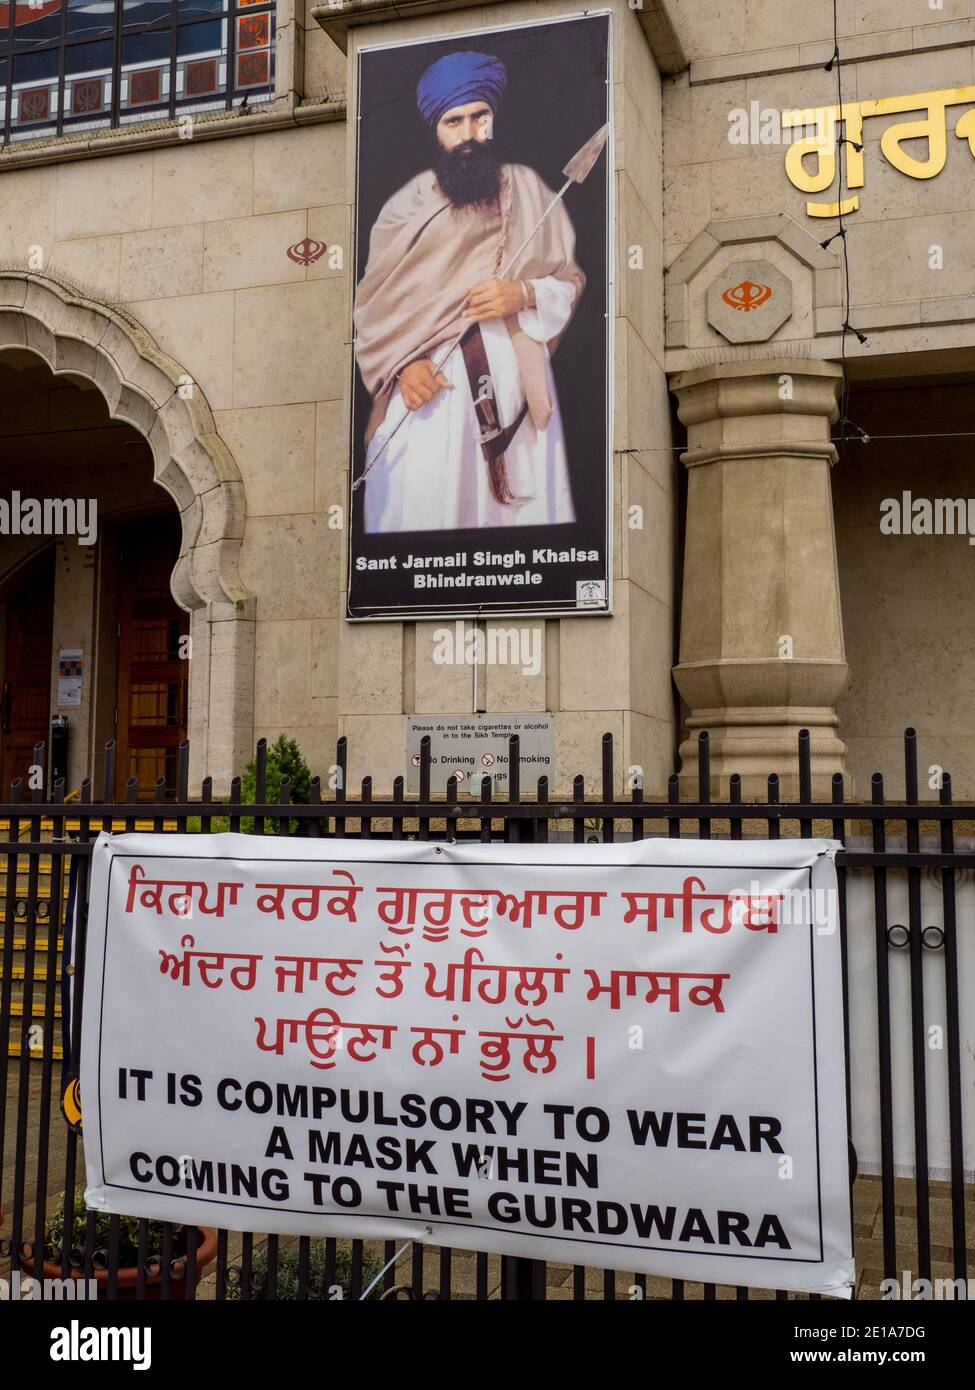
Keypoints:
(469, 436)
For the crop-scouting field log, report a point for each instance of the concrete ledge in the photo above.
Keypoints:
(854, 48)
(874, 318)
(122, 140)
(338, 19)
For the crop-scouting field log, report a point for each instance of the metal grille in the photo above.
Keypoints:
(900, 1223)
(73, 67)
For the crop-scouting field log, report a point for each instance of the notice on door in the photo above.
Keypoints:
(70, 671)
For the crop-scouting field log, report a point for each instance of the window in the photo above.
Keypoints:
(75, 65)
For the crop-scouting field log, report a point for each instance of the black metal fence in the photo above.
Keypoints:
(45, 847)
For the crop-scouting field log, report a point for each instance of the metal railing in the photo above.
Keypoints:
(45, 848)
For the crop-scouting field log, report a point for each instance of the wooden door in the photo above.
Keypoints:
(153, 669)
(25, 709)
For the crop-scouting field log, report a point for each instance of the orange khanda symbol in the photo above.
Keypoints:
(747, 295)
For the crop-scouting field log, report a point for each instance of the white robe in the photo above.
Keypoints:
(433, 476)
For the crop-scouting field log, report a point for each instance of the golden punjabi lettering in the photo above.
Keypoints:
(931, 126)
(823, 144)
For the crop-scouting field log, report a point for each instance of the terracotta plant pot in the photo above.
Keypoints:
(128, 1275)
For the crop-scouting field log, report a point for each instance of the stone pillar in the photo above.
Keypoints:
(761, 645)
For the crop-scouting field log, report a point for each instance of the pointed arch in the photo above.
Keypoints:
(85, 340)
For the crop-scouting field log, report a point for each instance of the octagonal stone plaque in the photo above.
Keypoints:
(749, 301)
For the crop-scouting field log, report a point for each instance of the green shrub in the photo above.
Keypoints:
(284, 759)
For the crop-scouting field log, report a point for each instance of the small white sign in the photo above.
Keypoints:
(591, 593)
(71, 662)
(472, 747)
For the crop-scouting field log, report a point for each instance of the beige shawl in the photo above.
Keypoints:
(424, 257)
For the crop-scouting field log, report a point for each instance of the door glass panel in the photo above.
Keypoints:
(151, 705)
(152, 671)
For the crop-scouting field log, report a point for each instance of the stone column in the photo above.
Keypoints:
(761, 646)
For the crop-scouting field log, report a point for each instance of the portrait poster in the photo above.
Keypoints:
(481, 399)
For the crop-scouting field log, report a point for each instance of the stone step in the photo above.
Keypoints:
(22, 878)
(38, 1009)
(37, 1053)
(34, 877)
(17, 973)
(72, 826)
(41, 944)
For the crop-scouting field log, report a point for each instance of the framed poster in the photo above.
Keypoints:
(481, 416)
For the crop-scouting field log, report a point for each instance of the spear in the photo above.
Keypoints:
(577, 170)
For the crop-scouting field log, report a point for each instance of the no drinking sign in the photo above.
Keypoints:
(476, 746)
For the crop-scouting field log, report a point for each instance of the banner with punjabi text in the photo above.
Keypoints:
(627, 1056)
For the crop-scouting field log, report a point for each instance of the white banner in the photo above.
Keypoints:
(628, 1056)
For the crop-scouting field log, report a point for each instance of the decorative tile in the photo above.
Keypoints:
(253, 69)
(200, 77)
(35, 104)
(749, 302)
(254, 31)
(145, 86)
(86, 95)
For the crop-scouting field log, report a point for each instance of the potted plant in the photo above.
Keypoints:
(128, 1251)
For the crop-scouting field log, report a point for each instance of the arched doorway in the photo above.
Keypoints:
(171, 433)
(90, 632)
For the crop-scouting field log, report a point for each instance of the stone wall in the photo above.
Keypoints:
(911, 269)
(191, 238)
(57, 441)
(745, 52)
(599, 674)
(907, 599)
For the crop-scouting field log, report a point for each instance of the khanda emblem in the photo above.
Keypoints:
(747, 295)
(307, 252)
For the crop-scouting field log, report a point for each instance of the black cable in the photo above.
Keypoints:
(845, 386)
(833, 439)
(841, 234)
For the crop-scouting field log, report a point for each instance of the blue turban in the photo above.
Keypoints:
(457, 79)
